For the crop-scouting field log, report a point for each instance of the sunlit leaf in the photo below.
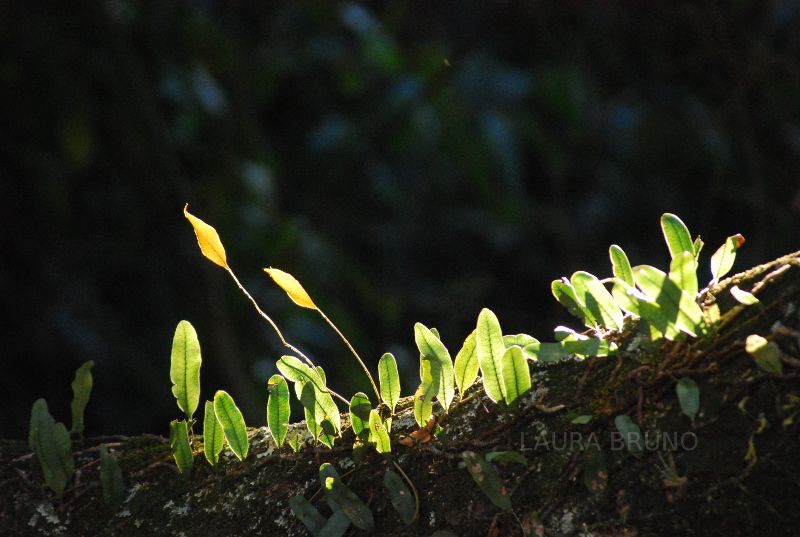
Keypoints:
(278, 410)
(111, 479)
(676, 305)
(184, 371)
(208, 239)
(400, 496)
(52, 447)
(639, 304)
(179, 444)
(596, 298)
(688, 396)
(340, 495)
(490, 350)
(516, 375)
(359, 413)
(743, 297)
(507, 457)
(565, 294)
(81, 390)
(430, 346)
(521, 341)
(298, 372)
(213, 436)
(723, 258)
(423, 397)
(320, 405)
(233, 427)
(631, 435)
(289, 283)
(683, 271)
(766, 354)
(620, 265)
(307, 514)
(487, 479)
(389, 380)
(677, 235)
(378, 433)
(466, 364)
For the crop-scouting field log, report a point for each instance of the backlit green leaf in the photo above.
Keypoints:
(516, 375)
(565, 294)
(723, 258)
(490, 350)
(379, 434)
(683, 271)
(743, 297)
(111, 479)
(766, 354)
(184, 369)
(676, 305)
(677, 235)
(430, 346)
(179, 444)
(278, 410)
(400, 496)
(688, 396)
(307, 514)
(81, 390)
(296, 371)
(233, 427)
(466, 364)
(597, 299)
(487, 479)
(338, 494)
(639, 304)
(213, 436)
(389, 380)
(320, 404)
(423, 397)
(620, 265)
(52, 447)
(359, 413)
(631, 435)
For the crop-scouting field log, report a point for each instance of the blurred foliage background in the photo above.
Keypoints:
(407, 161)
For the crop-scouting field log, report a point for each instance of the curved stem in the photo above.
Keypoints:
(352, 350)
(413, 489)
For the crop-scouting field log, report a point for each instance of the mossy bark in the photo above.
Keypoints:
(734, 471)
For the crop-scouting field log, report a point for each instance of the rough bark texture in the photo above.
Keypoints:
(740, 477)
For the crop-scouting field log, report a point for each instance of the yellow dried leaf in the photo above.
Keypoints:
(208, 239)
(289, 283)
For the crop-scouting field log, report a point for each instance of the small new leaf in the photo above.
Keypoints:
(81, 390)
(278, 408)
(688, 396)
(466, 364)
(289, 283)
(233, 427)
(179, 444)
(389, 380)
(766, 354)
(213, 436)
(111, 479)
(184, 371)
(208, 239)
(723, 258)
(743, 297)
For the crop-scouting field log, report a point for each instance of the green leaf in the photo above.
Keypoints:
(675, 304)
(431, 346)
(597, 299)
(320, 404)
(507, 456)
(322, 375)
(487, 479)
(688, 396)
(389, 379)
(179, 444)
(111, 479)
(516, 375)
(52, 447)
(565, 294)
(233, 427)
(766, 354)
(582, 419)
(336, 526)
(339, 495)
(423, 397)
(631, 435)
(490, 350)
(278, 410)
(298, 372)
(639, 304)
(677, 235)
(401, 498)
(595, 472)
(81, 390)
(743, 297)
(683, 271)
(359, 413)
(547, 352)
(213, 437)
(466, 364)
(620, 265)
(379, 434)
(296, 442)
(723, 258)
(39, 407)
(307, 514)
(184, 371)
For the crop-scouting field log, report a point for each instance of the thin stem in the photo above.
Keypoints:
(352, 350)
(278, 331)
(413, 489)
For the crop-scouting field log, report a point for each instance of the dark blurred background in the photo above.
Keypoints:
(407, 161)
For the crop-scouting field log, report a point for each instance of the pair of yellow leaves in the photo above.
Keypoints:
(211, 247)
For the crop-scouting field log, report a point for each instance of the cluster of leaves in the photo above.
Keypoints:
(51, 443)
